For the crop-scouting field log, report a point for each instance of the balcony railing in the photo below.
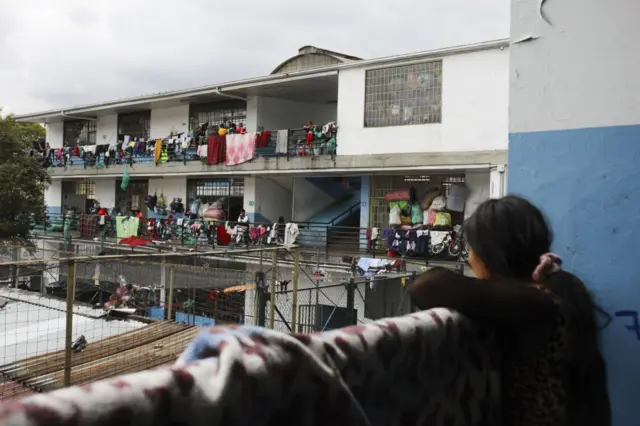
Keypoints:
(297, 145)
(319, 239)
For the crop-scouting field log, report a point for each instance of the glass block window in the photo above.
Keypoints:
(403, 95)
(217, 113)
(134, 124)
(79, 132)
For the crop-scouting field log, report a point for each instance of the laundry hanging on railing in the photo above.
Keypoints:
(216, 149)
(432, 367)
(291, 233)
(240, 148)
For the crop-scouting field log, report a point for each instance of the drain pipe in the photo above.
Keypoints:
(77, 118)
(219, 93)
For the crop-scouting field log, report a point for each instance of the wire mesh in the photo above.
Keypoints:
(90, 317)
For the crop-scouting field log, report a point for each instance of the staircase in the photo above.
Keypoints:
(345, 238)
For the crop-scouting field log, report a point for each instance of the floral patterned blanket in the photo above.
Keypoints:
(428, 368)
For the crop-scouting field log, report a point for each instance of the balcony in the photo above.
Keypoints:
(299, 148)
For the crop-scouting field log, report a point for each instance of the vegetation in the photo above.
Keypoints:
(23, 179)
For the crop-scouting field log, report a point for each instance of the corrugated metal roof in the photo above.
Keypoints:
(151, 346)
(32, 324)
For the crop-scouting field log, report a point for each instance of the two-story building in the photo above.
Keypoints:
(420, 119)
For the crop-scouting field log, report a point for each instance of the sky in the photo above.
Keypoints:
(62, 53)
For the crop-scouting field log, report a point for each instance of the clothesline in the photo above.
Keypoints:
(432, 367)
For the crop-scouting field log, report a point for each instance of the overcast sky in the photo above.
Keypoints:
(61, 53)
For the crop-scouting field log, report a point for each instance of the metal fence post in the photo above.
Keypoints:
(15, 276)
(294, 303)
(272, 296)
(170, 304)
(163, 282)
(351, 292)
(71, 290)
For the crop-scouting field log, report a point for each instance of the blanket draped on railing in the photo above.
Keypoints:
(427, 368)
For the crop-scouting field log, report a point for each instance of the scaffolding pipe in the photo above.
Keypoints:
(71, 290)
(272, 296)
(294, 303)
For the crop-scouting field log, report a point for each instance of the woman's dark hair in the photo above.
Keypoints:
(509, 235)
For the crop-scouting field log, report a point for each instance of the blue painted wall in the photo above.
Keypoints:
(588, 183)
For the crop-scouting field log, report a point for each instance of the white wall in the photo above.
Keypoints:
(166, 120)
(477, 183)
(55, 134)
(107, 129)
(170, 187)
(274, 198)
(475, 99)
(308, 200)
(106, 192)
(53, 196)
(252, 114)
(274, 113)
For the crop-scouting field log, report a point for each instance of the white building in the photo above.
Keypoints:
(430, 118)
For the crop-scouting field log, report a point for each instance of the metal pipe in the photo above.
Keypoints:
(170, 304)
(62, 113)
(274, 276)
(71, 289)
(294, 303)
(227, 95)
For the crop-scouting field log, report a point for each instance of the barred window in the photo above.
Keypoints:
(79, 132)
(134, 124)
(217, 113)
(87, 188)
(409, 94)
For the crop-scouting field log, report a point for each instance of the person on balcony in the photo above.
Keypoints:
(553, 371)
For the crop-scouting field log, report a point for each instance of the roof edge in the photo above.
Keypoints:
(447, 51)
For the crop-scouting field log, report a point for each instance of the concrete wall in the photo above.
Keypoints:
(106, 192)
(166, 120)
(308, 200)
(275, 113)
(273, 198)
(574, 149)
(475, 96)
(107, 129)
(55, 133)
(53, 197)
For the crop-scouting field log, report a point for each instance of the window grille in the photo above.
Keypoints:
(217, 113)
(79, 132)
(134, 124)
(404, 95)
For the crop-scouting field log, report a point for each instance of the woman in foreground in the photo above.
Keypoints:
(553, 371)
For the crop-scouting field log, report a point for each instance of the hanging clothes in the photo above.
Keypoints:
(263, 138)
(127, 226)
(240, 148)
(282, 142)
(291, 233)
(157, 151)
(216, 149)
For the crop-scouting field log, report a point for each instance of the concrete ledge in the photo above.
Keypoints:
(341, 165)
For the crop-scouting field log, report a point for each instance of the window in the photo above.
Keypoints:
(217, 113)
(79, 132)
(229, 191)
(134, 124)
(86, 188)
(409, 94)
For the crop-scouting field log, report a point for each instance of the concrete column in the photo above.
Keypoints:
(53, 197)
(478, 183)
(497, 181)
(249, 198)
(574, 150)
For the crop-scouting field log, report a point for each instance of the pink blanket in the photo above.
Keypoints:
(240, 148)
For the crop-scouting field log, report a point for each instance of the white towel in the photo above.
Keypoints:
(282, 141)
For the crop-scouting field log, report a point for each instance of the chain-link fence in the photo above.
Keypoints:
(69, 318)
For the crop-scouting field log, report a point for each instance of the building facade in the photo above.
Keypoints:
(431, 118)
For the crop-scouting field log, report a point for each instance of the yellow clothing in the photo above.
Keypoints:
(222, 131)
(157, 151)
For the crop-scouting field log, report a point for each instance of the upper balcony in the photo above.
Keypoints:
(443, 107)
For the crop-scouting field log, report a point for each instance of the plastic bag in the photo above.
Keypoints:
(439, 203)
(394, 216)
(416, 214)
(443, 219)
